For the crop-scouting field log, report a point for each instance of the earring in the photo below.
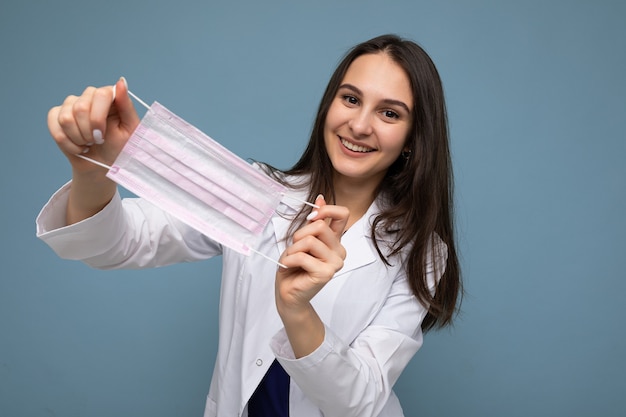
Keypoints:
(406, 154)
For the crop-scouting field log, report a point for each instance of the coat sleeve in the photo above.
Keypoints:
(356, 379)
(129, 233)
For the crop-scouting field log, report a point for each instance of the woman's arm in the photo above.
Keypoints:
(355, 378)
(128, 234)
(312, 260)
(98, 122)
(353, 371)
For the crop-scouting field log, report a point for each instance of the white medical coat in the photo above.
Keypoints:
(372, 319)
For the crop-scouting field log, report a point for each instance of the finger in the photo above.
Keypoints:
(313, 266)
(319, 229)
(124, 104)
(310, 244)
(336, 215)
(319, 202)
(100, 108)
(339, 219)
(332, 255)
(66, 121)
(82, 110)
(58, 134)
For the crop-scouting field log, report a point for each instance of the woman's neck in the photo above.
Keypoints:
(356, 197)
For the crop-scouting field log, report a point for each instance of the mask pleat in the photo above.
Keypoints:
(180, 169)
(217, 177)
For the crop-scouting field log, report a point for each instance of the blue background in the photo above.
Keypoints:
(536, 94)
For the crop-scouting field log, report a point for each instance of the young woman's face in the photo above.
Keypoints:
(369, 119)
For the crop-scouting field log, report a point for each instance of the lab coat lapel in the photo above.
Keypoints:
(359, 251)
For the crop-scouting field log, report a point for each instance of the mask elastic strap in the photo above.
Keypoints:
(140, 101)
(300, 201)
(93, 161)
(268, 258)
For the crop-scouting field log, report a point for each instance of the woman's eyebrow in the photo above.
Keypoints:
(389, 101)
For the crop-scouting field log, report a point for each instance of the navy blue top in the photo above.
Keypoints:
(271, 398)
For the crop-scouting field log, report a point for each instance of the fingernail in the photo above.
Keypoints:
(312, 215)
(85, 150)
(125, 82)
(97, 136)
(320, 196)
(89, 144)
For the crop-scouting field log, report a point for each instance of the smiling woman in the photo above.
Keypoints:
(362, 276)
(418, 184)
(367, 124)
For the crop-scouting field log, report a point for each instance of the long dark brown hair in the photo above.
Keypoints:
(416, 194)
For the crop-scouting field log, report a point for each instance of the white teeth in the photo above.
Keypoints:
(355, 148)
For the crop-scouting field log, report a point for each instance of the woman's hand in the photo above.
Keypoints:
(314, 257)
(97, 123)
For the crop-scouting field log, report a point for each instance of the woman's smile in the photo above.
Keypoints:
(369, 119)
(353, 147)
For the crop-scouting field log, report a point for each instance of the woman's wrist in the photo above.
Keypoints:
(89, 194)
(304, 329)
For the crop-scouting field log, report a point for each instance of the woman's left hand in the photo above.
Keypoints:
(315, 255)
(313, 258)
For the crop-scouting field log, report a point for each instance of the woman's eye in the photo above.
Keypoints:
(350, 99)
(391, 114)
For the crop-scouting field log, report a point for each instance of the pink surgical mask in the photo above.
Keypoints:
(181, 170)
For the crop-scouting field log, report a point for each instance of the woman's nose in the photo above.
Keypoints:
(361, 124)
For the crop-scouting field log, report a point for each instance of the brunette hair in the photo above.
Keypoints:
(416, 194)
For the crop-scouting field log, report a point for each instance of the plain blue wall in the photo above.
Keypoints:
(537, 103)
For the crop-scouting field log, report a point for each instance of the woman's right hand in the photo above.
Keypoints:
(97, 124)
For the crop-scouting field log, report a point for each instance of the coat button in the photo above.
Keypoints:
(259, 362)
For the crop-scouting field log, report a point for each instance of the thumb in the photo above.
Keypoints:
(320, 200)
(319, 203)
(124, 105)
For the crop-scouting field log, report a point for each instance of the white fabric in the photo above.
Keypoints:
(372, 319)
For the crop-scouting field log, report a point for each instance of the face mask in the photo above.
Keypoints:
(181, 170)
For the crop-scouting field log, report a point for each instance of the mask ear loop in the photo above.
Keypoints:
(140, 101)
(93, 161)
(268, 258)
(300, 201)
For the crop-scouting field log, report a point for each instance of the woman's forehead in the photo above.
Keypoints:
(379, 75)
